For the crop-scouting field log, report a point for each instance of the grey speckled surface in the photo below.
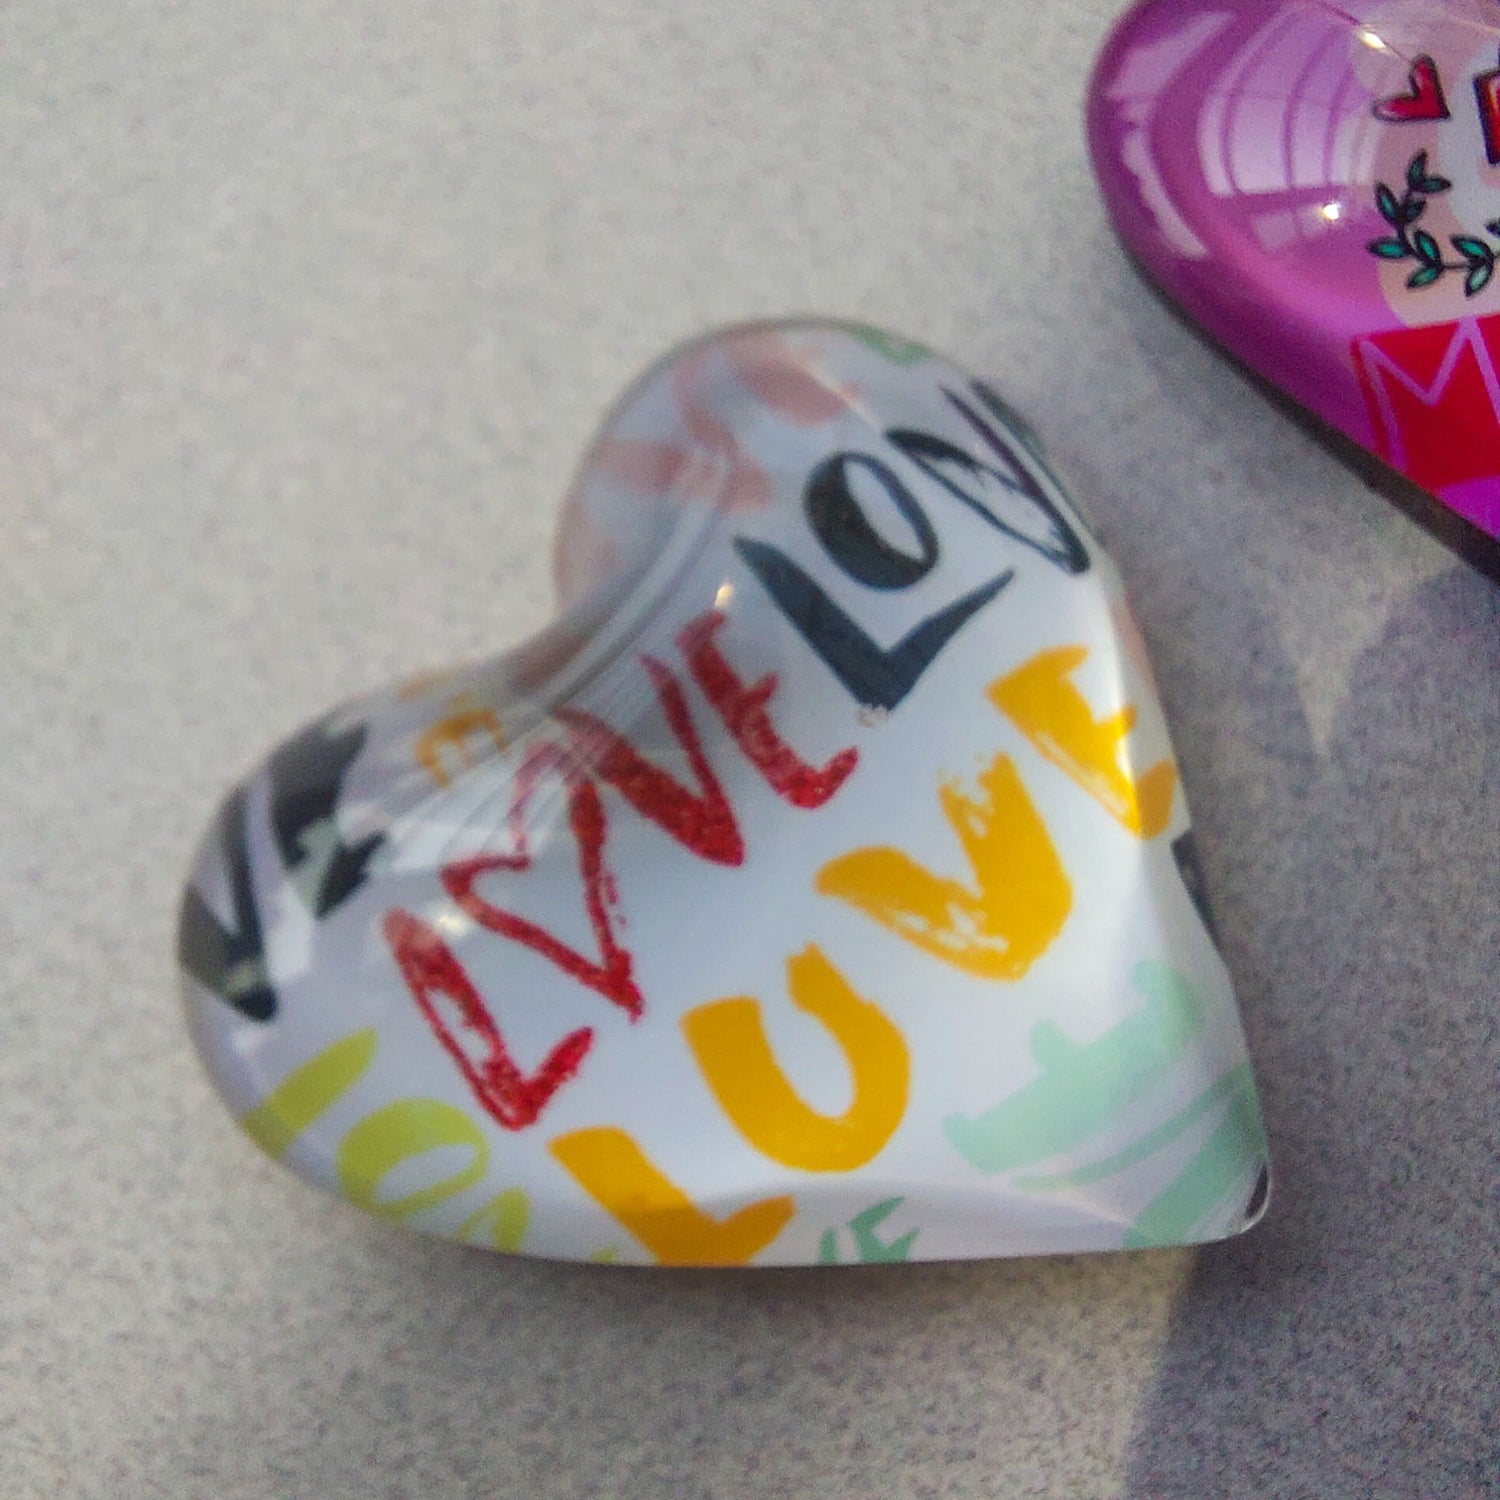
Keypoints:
(306, 312)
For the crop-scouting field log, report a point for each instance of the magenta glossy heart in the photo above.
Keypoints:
(1318, 186)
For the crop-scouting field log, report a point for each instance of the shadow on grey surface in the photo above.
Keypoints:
(1351, 1346)
(453, 1373)
(1457, 533)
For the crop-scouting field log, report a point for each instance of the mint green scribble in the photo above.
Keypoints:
(899, 351)
(1083, 1086)
(869, 1248)
(1232, 1083)
(1226, 1165)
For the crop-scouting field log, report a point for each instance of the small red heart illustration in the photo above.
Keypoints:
(1425, 101)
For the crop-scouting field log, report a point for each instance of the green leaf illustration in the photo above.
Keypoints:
(1385, 201)
(1476, 252)
(1435, 185)
(1425, 277)
(1427, 250)
(1388, 249)
(1478, 278)
(1412, 210)
(1416, 171)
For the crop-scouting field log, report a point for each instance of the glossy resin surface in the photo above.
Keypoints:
(1318, 186)
(819, 888)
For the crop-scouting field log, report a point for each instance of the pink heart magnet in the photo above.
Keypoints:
(1318, 186)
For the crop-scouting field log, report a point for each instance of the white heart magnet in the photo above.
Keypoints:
(819, 888)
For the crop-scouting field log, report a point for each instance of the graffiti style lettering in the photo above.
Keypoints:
(1021, 897)
(230, 961)
(306, 776)
(511, 1098)
(745, 710)
(1011, 420)
(702, 821)
(1064, 546)
(308, 1091)
(877, 676)
(705, 822)
(501, 1224)
(1011, 501)
(453, 733)
(611, 973)
(1081, 1086)
(728, 1040)
(1056, 718)
(396, 1133)
(614, 1171)
(1222, 1089)
(869, 1248)
(1008, 498)
(1230, 1164)
(846, 533)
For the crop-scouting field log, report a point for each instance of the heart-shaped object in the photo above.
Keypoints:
(818, 888)
(1423, 100)
(1316, 185)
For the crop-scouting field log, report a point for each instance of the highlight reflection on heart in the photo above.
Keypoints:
(818, 887)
